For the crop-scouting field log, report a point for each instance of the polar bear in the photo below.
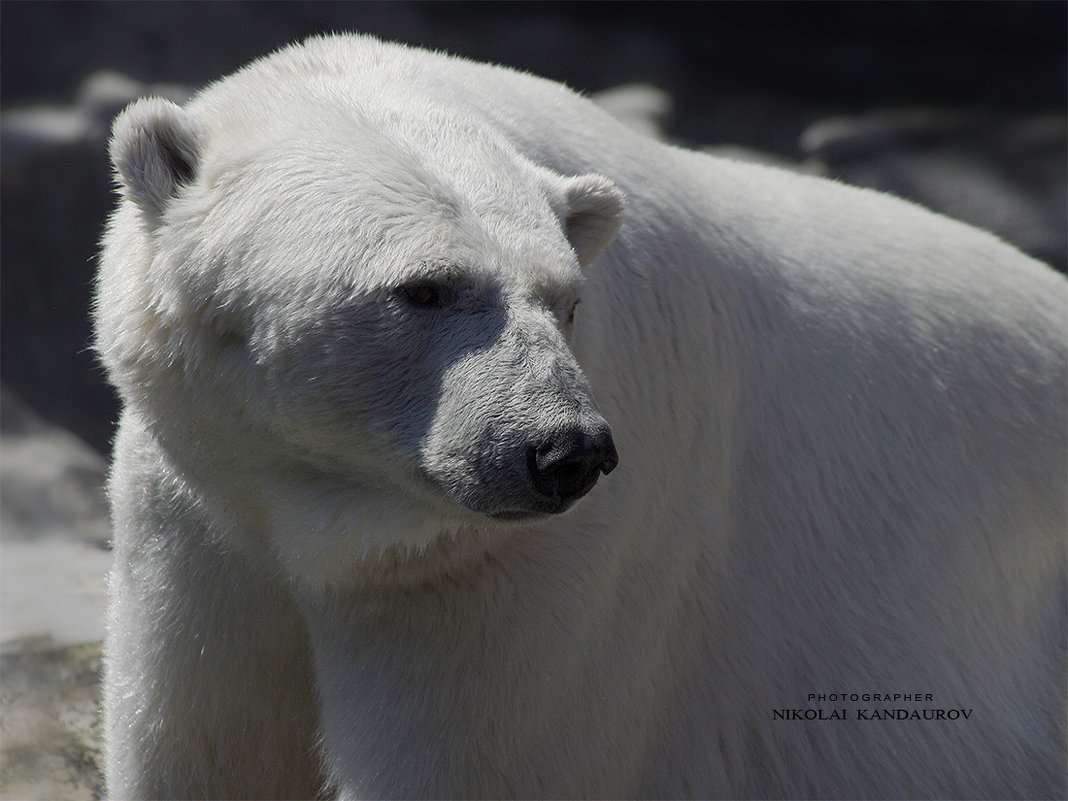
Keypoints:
(476, 445)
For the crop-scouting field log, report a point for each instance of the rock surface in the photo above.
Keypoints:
(49, 722)
(53, 563)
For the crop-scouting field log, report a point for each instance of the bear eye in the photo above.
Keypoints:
(422, 293)
(571, 312)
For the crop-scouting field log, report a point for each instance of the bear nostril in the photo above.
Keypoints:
(565, 467)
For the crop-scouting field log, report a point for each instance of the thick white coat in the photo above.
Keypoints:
(840, 422)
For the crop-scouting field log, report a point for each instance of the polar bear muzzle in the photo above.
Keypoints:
(509, 475)
(516, 432)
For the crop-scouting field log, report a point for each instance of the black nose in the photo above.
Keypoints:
(565, 467)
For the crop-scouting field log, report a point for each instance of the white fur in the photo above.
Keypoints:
(840, 422)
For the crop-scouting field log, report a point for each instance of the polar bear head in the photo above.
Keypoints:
(350, 332)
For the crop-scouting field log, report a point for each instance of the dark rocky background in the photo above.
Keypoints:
(958, 105)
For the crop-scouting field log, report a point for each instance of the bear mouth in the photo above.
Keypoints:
(517, 515)
(541, 508)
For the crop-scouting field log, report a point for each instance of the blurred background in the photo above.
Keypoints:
(958, 105)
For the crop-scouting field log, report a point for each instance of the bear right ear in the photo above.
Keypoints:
(155, 149)
(592, 212)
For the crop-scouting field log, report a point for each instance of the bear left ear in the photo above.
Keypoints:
(592, 212)
(155, 148)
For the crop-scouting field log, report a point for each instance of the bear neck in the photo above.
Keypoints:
(489, 666)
